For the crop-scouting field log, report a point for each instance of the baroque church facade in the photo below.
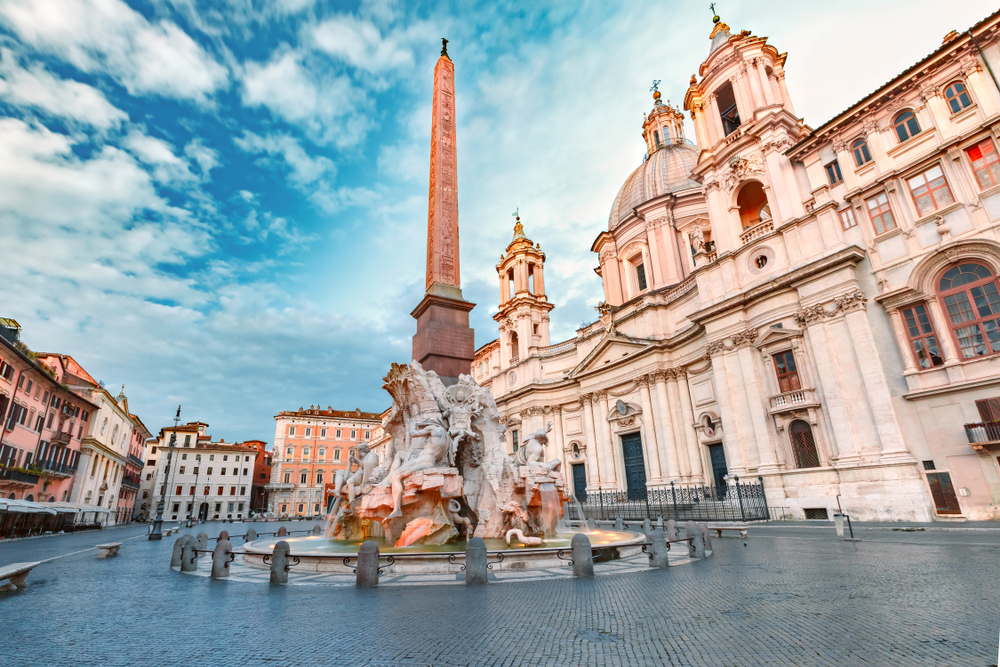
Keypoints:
(818, 308)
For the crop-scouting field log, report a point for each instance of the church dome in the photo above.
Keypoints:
(667, 170)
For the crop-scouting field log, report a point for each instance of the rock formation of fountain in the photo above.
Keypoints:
(446, 474)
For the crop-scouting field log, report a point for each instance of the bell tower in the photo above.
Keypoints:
(664, 125)
(524, 310)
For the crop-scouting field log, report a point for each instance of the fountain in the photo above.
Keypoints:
(444, 479)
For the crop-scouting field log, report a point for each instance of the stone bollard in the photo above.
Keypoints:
(659, 522)
(619, 524)
(250, 536)
(368, 565)
(475, 561)
(591, 524)
(317, 530)
(282, 531)
(706, 535)
(583, 556)
(202, 540)
(698, 543)
(189, 558)
(671, 530)
(220, 559)
(223, 535)
(175, 558)
(647, 527)
(658, 550)
(838, 519)
(279, 563)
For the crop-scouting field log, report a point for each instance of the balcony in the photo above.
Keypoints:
(136, 460)
(797, 399)
(981, 434)
(132, 481)
(757, 231)
(57, 469)
(17, 477)
(60, 439)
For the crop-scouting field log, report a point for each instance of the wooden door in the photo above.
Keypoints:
(635, 466)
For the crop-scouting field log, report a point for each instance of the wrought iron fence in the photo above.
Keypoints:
(740, 501)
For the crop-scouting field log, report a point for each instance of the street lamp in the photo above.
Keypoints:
(157, 533)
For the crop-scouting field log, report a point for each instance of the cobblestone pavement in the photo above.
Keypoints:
(783, 596)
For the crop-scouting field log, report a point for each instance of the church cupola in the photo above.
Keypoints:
(524, 310)
(664, 125)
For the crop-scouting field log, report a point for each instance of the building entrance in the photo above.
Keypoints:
(635, 466)
(580, 482)
(717, 455)
(203, 512)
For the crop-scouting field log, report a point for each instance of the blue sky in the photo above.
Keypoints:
(223, 204)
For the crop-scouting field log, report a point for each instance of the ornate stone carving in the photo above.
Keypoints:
(870, 125)
(928, 91)
(744, 338)
(843, 304)
(606, 314)
(840, 146)
(715, 347)
(851, 302)
(970, 65)
(608, 253)
(740, 167)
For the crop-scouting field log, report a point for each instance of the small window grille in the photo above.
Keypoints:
(929, 465)
(816, 514)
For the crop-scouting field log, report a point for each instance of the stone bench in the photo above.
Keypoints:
(15, 574)
(108, 550)
(717, 528)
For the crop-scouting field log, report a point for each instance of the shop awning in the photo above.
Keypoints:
(26, 507)
(77, 507)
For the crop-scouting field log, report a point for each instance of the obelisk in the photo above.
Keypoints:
(444, 342)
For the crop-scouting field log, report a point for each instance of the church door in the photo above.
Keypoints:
(719, 470)
(203, 512)
(580, 482)
(635, 466)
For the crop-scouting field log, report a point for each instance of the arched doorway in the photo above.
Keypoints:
(803, 445)
(753, 205)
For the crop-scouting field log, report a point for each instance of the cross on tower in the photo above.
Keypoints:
(516, 213)
(712, 7)
(656, 83)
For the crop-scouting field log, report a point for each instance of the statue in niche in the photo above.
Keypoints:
(433, 453)
(463, 406)
(697, 237)
(533, 451)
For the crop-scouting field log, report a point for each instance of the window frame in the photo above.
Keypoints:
(979, 320)
(986, 164)
(881, 216)
(899, 122)
(833, 173)
(930, 192)
(861, 144)
(788, 375)
(949, 99)
(853, 218)
(925, 330)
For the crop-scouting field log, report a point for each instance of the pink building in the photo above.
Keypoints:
(43, 424)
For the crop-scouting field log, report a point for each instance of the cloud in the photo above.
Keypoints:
(109, 37)
(304, 169)
(207, 158)
(72, 101)
(360, 44)
(325, 104)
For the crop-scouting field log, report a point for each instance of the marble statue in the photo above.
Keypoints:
(431, 455)
(351, 484)
(533, 451)
(527, 541)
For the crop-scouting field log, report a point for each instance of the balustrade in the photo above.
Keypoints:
(757, 231)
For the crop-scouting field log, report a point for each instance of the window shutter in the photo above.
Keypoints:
(989, 409)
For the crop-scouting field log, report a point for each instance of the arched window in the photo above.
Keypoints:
(514, 351)
(728, 111)
(958, 97)
(862, 155)
(752, 203)
(576, 450)
(906, 126)
(969, 294)
(803, 445)
(30, 497)
(656, 139)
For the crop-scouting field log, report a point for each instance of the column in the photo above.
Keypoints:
(665, 429)
(693, 447)
(876, 387)
(899, 329)
(844, 447)
(785, 98)
(700, 126)
(656, 268)
(680, 432)
(539, 281)
(942, 328)
(557, 439)
(757, 400)
(764, 82)
(734, 457)
(743, 100)
(593, 469)
(715, 120)
(650, 435)
(504, 289)
(609, 453)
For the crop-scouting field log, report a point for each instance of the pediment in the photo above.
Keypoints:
(775, 335)
(611, 349)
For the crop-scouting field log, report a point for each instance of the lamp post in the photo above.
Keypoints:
(157, 533)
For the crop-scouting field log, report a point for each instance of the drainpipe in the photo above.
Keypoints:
(983, 56)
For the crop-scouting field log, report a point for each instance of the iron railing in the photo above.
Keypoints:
(983, 432)
(57, 468)
(6, 474)
(740, 501)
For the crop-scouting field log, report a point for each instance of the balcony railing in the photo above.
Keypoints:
(757, 231)
(18, 476)
(60, 438)
(981, 434)
(131, 480)
(136, 460)
(793, 400)
(59, 469)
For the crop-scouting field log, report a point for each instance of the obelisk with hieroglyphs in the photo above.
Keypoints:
(444, 342)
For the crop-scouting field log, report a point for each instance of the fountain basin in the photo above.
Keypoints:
(320, 554)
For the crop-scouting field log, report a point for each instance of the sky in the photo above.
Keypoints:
(223, 205)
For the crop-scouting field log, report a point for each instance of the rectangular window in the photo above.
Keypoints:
(20, 381)
(284, 509)
(223, 472)
(184, 457)
(640, 276)
(207, 490)
(303, 478)
(220, 491)
(923, 342)
(209, 470)
(301, 508)
(153, 450)
(319, 477)
(232, 490)
(31, 383)
(368, 435)
(192, 490)
(338, 433)
(187, 440)
(181, 471)
(309, 431)
(244, 471)
(177, 507)
(179, 491)
(305, 453)
(930, 191)
(289, 451)
(45, 399)
(322, 433)
(291, 430)
(985, 163)
(322, 452)
(989, 409)
(288, 478)
(196, 470)
(354, 435)
(880, 213)
(6, 371)
(847, 218)
(945, 501)
(784, 368)
(336, 455)
(514, 437)
(833, 173)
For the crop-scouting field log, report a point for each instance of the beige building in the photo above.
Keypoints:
(815, 307)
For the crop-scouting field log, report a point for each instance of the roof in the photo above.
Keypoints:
(317, 411)
(951, 44)
(667, 170)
